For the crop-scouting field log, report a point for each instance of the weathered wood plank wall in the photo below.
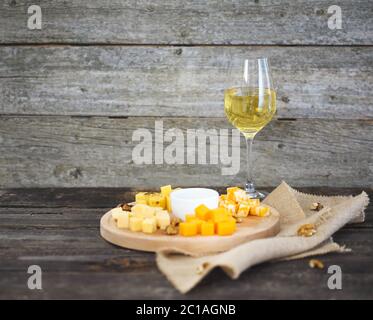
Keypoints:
(121, 65)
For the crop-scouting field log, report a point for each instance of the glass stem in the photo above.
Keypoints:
(249, 187)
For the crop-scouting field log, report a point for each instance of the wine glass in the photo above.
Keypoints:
(249, 106)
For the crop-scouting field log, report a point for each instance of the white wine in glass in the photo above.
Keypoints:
(249, 106)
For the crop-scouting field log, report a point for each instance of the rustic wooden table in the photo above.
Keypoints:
(58, 229)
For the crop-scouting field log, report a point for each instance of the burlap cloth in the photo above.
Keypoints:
(184, 272)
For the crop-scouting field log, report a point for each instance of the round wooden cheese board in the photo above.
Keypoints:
(250, 229)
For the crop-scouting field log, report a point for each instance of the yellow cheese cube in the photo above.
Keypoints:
(260, 211)
(243, 210)
(253, 202)
(230, 206)
(157, 200)
(187, 229)
(226, 228)
(168, 203)
(240, 195)
(123, 220)
(222, 199)
(116, 212)
(202, 212)
(135, 224)
(166, 190)
(149, 225)
(207, 228)
(143, 211)
(141, 197)
(230, 193)
(163, 219)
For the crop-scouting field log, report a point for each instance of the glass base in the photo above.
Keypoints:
(252, 193)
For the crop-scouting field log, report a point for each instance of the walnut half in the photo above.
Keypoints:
(315, 263)
(316, 206)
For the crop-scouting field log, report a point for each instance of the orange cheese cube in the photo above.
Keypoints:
(207, 228)
(226, 228)
(198, 222)
(190, 217)
(187, 229)
(219, 214)
(202, 212)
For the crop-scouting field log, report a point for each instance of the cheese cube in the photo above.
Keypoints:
(230, 193)
(226, 228)
(116, 212)
(157, 200)
(135, 224)
(202, 212)
(240, 195)
(198, 222)
(219, 215)
(222, 199)
(166, 190)
(143, 211)
(123, 220)
(163, 219)
(260, 211)
(253, 202)
(243, 210)
(149, 225)
(187, 229)
(207, 228)
(230, 206)
(141, 198)
(190, 217)
(168, 203)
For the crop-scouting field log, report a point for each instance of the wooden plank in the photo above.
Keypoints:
(188, 22)
(312, 82)
(91, 201)
(105, 278)
(64, 151)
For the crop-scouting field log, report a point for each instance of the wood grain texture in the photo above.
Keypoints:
(188, 22)
(312, 82)
(78, 264)
(65, 151)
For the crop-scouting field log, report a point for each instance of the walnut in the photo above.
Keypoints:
(316, 206)
(314, 263)
(238, 219)
(307, 230)
(175, 221)
(172, 230)
(126, 206)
